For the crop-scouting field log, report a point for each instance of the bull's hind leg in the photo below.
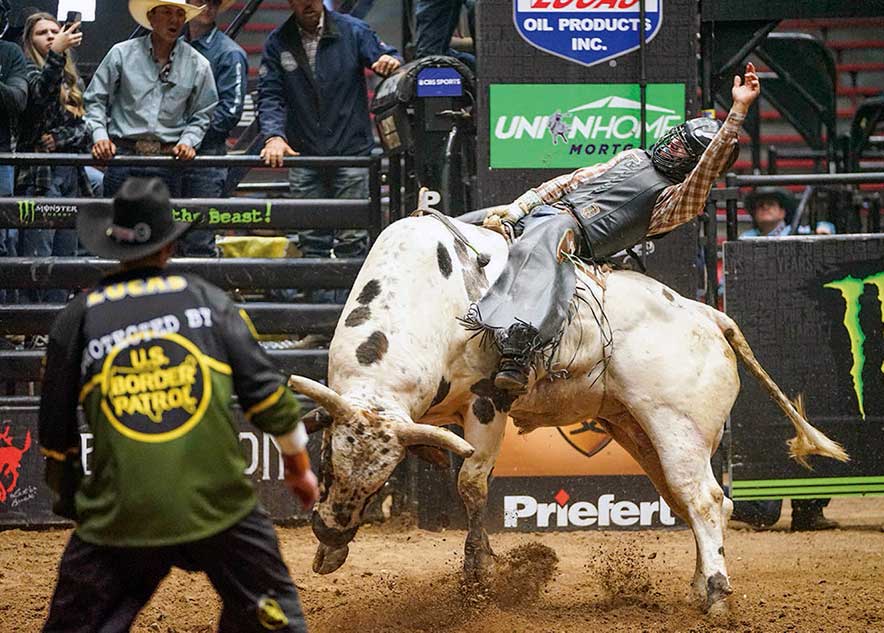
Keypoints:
(484, 429)
(629, 434)
(683, 453)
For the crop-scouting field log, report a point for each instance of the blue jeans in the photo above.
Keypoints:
(96, 181)
(205, 182)
(51, 242)
(766, 512)
(8, 237)
(435, 22)
(340, 182)
(114, 178)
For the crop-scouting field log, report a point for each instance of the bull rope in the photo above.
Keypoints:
(482, 259)
(601, 318)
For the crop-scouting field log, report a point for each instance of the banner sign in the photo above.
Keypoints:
(811, 308)
(571, 478)
(575, 125)
(25, 500)
(439, 82)
(553, 479)
(586, 31)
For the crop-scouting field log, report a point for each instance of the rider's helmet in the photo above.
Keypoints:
(679, 150)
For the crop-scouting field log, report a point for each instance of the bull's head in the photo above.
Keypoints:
(360, 449)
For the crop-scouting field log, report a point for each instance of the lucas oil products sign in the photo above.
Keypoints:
(575, 125)
(586, 31)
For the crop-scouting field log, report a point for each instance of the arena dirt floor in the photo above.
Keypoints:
(399, 580)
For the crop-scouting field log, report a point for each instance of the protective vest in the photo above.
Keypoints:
(614, 209)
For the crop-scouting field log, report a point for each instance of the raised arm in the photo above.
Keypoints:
(682, 202)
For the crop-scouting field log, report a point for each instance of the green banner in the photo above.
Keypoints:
(574, 125)
(811, 487)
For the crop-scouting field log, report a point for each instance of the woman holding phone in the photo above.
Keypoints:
(53, 122)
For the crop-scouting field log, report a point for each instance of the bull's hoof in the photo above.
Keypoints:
(478, 567)
(328, 559)
(717, 589)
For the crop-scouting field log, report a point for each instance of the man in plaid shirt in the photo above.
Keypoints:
(593, 213)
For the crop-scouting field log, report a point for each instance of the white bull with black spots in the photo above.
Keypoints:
(660, 375)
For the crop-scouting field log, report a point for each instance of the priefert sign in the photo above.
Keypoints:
(604, 512)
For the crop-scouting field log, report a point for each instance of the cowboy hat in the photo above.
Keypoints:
(784, 197)
(137, 224)
(140, 8)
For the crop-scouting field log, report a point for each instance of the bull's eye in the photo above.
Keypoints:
(351, 439)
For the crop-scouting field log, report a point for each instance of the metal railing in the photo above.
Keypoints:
(230, 274)
(730, 196)
(734, 182)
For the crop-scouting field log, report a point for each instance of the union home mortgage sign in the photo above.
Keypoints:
(586, 31)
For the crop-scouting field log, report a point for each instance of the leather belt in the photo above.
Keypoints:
(144, 147)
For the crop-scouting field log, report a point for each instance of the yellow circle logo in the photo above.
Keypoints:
(155, 389)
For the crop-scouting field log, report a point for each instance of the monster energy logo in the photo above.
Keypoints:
(851, 290)
(27, 211)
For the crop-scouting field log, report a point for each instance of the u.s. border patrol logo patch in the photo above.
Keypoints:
(287, 61)
(586, 31)
(155, 391)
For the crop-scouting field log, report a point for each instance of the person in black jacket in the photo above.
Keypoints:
(53, 122)
(154, 359)
(13, 100)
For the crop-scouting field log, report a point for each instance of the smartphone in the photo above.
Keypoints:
(73, 16)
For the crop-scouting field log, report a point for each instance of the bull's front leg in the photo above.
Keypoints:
(483, 428)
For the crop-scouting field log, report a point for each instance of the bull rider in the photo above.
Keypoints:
(592, 213)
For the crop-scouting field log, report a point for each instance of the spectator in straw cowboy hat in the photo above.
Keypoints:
(772, 210)
(151, 95)
(154, 359)
(230, 69)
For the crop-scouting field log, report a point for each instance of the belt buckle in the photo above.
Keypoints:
(147, 147)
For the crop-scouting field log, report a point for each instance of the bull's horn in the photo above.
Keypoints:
(327, 398)
(428, 435)
(316, 419)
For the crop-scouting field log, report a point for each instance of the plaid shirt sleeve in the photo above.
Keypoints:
(683, 202)
(552, 190)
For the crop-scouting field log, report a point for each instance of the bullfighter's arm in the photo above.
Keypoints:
(57, 423)
(265, 399)
(683, 202)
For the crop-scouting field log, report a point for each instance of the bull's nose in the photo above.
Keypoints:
(330, 536)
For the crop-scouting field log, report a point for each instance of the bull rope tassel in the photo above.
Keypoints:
(481, 258)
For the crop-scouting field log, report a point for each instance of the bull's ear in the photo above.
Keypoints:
(317, 419)
(428, 435)
(434, 456)
(326, 398)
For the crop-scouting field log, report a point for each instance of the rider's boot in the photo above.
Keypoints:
(517, 351)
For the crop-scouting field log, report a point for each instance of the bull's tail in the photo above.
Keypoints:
(808, 440)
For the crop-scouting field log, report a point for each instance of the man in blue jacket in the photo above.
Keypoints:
(230, 68)
(312, 99)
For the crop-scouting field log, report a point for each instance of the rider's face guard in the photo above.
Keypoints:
(679, 150)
